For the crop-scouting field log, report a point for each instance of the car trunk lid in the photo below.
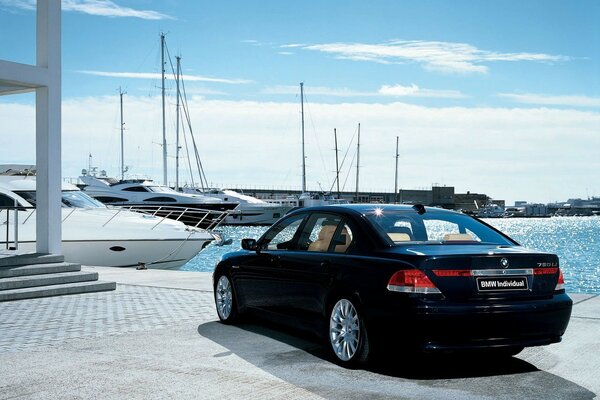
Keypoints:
(469, 271)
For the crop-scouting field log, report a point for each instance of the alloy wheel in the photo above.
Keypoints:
(344, 330)
(224, 298)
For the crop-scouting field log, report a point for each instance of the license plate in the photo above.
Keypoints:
(504, 283)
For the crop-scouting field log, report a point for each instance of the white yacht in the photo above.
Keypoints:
(93, 234)
(491, 210)
(149, 196)
(309, 200)
(251, 211)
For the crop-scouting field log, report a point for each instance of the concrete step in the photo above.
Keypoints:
(8, 260)
(56, 290)
(37, 269)
(19, 282)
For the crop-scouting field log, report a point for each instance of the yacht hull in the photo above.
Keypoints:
(159, 254)
(256, 215)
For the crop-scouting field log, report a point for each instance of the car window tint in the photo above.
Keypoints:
(447, 231)
(437, 229)
(281, 236)
(432, 227)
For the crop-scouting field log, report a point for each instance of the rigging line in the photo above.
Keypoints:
(348, 149)
(349, 170)
(189, 161)
(345, 155)
(306, 104)
(183, 97)
(198, 161)
(201, 173)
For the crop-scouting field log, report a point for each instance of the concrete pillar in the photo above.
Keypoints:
(48, 128)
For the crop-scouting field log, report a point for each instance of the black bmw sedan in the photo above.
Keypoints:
(422, 278)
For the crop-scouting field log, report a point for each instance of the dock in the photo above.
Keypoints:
(157, 336)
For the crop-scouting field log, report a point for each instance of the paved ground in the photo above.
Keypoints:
(156, 337)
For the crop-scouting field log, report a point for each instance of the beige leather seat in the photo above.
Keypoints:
(325, 235)
(341, 248)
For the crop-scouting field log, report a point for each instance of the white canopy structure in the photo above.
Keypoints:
(45, 79)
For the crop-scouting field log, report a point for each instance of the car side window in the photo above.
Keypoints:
(280, 237)
(325, 232)
(323, 229)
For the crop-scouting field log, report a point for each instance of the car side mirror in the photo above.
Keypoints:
(249, 244)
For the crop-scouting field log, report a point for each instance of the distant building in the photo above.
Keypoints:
(535, 210)
(470, 201)
(437, 196)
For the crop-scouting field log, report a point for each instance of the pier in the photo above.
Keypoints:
(157, 336)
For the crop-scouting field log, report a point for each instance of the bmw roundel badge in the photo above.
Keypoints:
(504, 263)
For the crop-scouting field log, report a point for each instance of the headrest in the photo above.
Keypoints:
(399, 237)
(463, 237)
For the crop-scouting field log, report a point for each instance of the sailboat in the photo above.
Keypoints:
(307, 199)
(145, 195)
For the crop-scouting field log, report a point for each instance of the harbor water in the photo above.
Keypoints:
(576, 240)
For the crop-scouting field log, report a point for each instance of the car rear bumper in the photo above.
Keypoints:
(443, 325)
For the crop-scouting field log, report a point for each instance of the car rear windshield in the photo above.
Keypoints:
(433, 227)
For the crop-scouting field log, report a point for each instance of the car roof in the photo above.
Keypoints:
(361, 209)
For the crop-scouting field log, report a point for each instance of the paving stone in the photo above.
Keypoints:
(39, 322)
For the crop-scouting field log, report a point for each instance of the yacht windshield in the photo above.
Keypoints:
(78, 199)
(433, 228)
(70, 198)
(160, 189)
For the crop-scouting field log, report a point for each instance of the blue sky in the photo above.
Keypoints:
(497, 97)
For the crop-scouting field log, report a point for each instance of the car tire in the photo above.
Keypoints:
(347, 334)
(225, 300)
(511, 351)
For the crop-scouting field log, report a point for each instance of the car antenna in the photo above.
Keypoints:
(419, 208)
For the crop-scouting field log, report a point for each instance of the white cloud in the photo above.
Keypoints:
(155, 75)
(385, 90)
(316, 91)
(105, 8)
(22, 4)
(432, 55)
(399, 90)
(542, 99)
(415, 91)
(535, 154)
(292, 45)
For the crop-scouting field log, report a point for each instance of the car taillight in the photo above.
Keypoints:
(560, 285)
(411, 281)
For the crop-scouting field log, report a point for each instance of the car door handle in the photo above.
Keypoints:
(325, 264)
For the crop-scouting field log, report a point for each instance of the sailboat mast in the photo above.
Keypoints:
(357, 160)
(164, 129)
(337, 164)
(303, 154)
(121, 93)
(396, 178)
(177, 126)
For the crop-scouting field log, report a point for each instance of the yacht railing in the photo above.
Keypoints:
(15, 209)
(194, 217)
(197, 218)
